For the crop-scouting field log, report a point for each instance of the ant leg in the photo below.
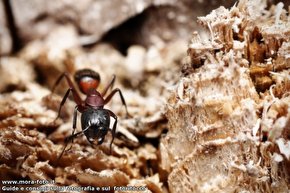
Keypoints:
(57, 82)
(70, 138)
(113, 130)
(74, 124)
(110, 85)
(121, 96)
(62, 102)
(74, 128)
(66, 143)
(72, 89)
(76, 96)
(61, 153)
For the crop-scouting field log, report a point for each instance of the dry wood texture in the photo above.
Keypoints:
(229, 115)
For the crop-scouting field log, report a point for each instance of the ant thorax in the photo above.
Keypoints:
(94, 99)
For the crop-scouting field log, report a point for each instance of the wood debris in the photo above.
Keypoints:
(229, 116)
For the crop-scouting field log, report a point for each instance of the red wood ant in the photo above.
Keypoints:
(95, 120)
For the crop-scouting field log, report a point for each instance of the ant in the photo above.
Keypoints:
(95, 120)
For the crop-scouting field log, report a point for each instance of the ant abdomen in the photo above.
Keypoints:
(87, 79)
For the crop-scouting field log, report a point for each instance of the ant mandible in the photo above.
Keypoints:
(95, 120)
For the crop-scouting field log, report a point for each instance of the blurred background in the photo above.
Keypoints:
(119, 22)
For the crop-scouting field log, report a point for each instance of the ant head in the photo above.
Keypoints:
(87, 80)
